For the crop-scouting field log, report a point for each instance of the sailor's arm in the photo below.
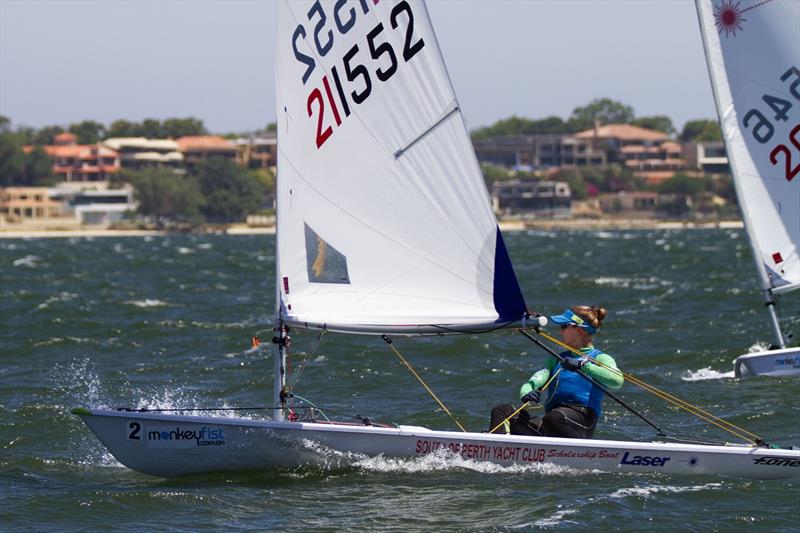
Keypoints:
(536, 381)
(607, 373)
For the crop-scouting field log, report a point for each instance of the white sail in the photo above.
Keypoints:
(753, 54)
(384, 222)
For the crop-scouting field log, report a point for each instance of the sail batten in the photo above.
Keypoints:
(383, 217)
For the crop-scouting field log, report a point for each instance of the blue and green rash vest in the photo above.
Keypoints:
(570, 388)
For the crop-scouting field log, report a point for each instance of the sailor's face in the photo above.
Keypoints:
(575, 336)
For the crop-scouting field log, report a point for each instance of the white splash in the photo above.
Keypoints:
(444, 459)
(758, 347)
(645, 492)
(146, 303)
(554, 519)
(28, 261)
(704, 374)
(61, 297)
(184, 250)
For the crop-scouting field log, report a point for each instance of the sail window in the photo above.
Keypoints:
(324, 263)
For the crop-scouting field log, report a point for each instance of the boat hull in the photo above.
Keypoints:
(785, 362)
(175, 445)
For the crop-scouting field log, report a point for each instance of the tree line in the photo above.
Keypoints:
(603, 111)
(215, 191)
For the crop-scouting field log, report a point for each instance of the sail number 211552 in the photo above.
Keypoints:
(383, 60)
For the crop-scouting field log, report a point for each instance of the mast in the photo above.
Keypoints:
(728, 123)
(279, 366)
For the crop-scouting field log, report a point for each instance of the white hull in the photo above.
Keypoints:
(785, 362)
(175, 445)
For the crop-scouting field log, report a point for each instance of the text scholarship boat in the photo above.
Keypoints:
(384, 227)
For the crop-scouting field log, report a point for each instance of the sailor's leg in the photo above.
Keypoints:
(499, 414)
(565, 421)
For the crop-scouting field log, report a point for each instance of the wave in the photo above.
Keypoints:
(645, 492)
(28, 261)
(147, 302)
(704, 374)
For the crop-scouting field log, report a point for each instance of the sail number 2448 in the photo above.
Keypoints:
(762, 129)
(383, 59)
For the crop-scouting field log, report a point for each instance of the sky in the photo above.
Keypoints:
(65, 61)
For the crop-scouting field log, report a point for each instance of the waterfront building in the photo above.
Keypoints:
(139, 152)
(102, 206)
(196, 148)
(547, 198)
(22, 204)
(73, 162)
(709, 157)
(650, 154)
(538, 151)
(257, 152)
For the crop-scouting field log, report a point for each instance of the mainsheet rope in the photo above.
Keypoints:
(411, 369)
(682, 404)
(512, 415)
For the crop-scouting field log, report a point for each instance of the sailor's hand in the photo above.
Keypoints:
(573, 364)
(532, 397)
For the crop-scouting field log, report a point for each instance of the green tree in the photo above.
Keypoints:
(520, 126)
(180, 127)
(612, 178)
(577, 184)
(12, 160)
(152, 129)
(46, 135)
(5, 124)
(656, 122)
(231, 193)
(602, 110)
(492, 173)
(88, 131)
(124, 128)
(164, 195)
(701, 130)
(272, 126)
(38, 167)
(20, 168)
(681, 184)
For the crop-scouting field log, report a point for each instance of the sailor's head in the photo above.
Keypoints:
(583, 317)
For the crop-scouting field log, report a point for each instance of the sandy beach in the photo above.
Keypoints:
(576, 224)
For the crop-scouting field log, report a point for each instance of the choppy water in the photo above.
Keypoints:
(166, 322)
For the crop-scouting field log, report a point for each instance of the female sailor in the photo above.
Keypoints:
(574, 403)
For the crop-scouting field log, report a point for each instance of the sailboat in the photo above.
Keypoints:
(753, 53)
(384, 227)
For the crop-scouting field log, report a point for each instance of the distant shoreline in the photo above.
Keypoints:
(507, 226)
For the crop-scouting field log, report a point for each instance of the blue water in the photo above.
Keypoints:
(166, 322)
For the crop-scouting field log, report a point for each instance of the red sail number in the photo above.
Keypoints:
(791, 172)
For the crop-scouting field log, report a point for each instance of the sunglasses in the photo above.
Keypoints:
(565, 326)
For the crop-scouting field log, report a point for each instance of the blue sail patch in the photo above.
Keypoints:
(508, 300)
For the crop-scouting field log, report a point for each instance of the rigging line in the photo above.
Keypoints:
(372, 228)
(296, 377)
(696, 411)
(543, 387)
(410, 368)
